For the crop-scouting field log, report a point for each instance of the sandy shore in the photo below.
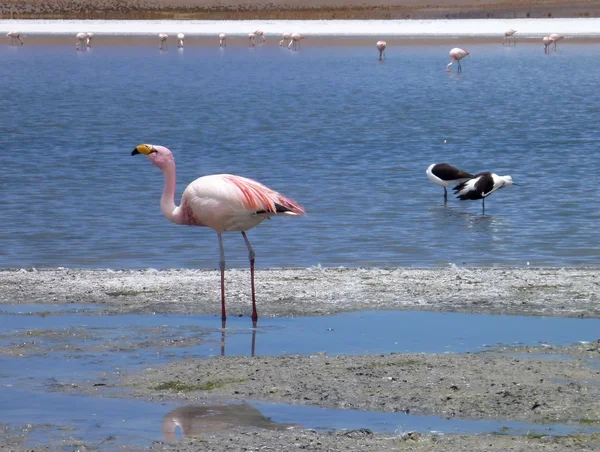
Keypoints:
(515, 383)
(287, 9)
(568, 292)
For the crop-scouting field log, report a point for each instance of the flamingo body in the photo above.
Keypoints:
(180, 38)
(295, 40)
(223, 202)
(286, 37)
(163, 41)
(251, 40)
(222, 40)
(15, 37)
(508, 34)
(381, 45)
(547, 40)
(556, 37)
(89, 37)
(261, 34)
(81, 38)
(456, 55)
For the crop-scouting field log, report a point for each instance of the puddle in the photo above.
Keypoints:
(75, 344)
(118, 422)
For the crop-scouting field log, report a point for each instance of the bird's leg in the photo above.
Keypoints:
(222, 267)
(445, 195)
(483, 205)
(251, 256)
(459, 66)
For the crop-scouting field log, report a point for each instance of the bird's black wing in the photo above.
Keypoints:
(448, 172)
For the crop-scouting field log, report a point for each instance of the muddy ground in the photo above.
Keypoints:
(518, 383)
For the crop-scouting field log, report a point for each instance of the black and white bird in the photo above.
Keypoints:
(444, 175)
(481, 186)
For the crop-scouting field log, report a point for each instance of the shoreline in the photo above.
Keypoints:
(560, 292)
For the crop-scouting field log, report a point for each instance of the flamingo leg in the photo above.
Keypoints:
(459, 66)
(251, 257)
(222, 267)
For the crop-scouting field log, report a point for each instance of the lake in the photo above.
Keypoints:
(345, 135)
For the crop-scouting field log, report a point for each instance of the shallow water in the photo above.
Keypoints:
(346, 136)
(70, 344)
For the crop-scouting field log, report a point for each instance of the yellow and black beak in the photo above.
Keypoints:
(145, 149)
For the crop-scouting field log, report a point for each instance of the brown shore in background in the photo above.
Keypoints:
(294, 10)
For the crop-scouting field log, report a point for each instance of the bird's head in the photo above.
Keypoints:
(508, 181)
(159, 155)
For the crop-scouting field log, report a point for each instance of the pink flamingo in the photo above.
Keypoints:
(163, 41)
(508, 34)
(456, 54)
(286, 37)
(556, 37)
(81, 38)
(547, 41)
(223, 202)
(261, 34)
(251, 41)
(90, 36)
(222, 40)
(295, 40)
(14, 37)
(381, 45)
(180, 38)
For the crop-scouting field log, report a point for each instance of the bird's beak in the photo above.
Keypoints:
(145, 149)
(514, 183)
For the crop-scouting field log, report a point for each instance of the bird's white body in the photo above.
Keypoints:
(456, 179)
(163, 41)
(286, 37)
(14, 37)
(81, 39)
(456, 54)
(556, 37)
(261, 34)
(295, 40)
(222, 40)
(381, 45)
(481, 186)
(180, 38)
(508, 34)
(547, 41)
(89, 38)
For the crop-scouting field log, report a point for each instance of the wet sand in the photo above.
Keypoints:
(516, 383)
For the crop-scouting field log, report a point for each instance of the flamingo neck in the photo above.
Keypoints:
(167, 200)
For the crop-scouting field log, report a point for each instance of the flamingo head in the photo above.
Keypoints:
(159, 156)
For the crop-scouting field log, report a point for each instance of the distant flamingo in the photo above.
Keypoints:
(251, 40)
(261, 34)
(547, 41)
(295, 40)
(456, 54)
(180, 37)
(81, 38)
(223, 202)
(556, 37)
(222, 40)
(163, 41)
(286, 37)
(90, 36)
(381, 45)
(15, 37)
(508, 34)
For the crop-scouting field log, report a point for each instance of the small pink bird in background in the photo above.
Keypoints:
(295, 40)
(556, 37)
(456, 55)
(261, 34)
(508, 34)
(286, 37)
(163, 41)
(81, 38)
(251, 41)
(222, 40)
(223, 202)
(180, 38)
(88, 43)
(381, 45)
(547, 41)
(15, 37)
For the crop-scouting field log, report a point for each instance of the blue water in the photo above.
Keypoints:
(346, 136)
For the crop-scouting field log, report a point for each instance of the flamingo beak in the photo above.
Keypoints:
(145, 149)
